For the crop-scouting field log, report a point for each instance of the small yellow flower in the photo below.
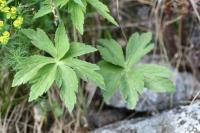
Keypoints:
(1, 23)
(2, 4)
(13, 12)
(6, 34)
(1, 39)
(4, 38)
(18, 22)
(6, 9)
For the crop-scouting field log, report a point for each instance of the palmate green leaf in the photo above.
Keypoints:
(77, 16)
(78, 49)
(86, 71)
(42, 81)
(111, 51)
(137, 47)
(61, 41)
(103, 10)
(129, 78)
(41, 71)
(112, 75)
(40, 40)
(69, 86)
(29, 68)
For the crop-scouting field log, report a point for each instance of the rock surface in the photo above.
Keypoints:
(187, 87)
(185, 119)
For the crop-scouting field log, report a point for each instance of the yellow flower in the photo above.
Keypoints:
(2, 4)
(3, 40)
(13, 11)
(5, 37)
(1, 23)
(18, 22)
(6, 34)
(6, 9)
(2, 1)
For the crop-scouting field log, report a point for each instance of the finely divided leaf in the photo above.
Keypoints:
(86, 71)
(42, 81)
(40, 40)
(69, 86)
(61, 41)
(78, 49)
(103, 10)
(112, 75)
(29, 68)
(111, 51)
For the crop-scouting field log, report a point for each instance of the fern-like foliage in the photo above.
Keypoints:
(62, 67)
(77, 10)
(121, 72)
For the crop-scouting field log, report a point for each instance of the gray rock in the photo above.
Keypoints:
(185, 119)
(187, 87)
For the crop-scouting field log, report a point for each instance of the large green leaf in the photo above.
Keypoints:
(86, 71)
(42, 71)
(103, 10)
(77, 16)
(78, 49)
(111, 51)
(112, 75)
(61, 41)
(138, 46)
(69, 86)
(131, 79)
(42, 81)
(29, 68)
(40, 40)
